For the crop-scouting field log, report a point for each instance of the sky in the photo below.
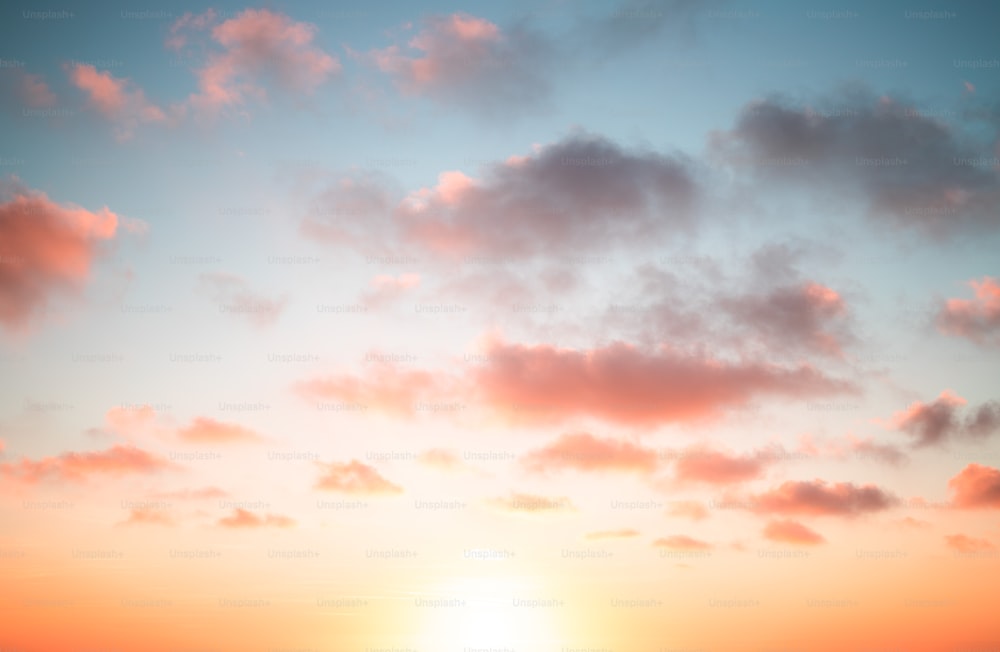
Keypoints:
(560, 326)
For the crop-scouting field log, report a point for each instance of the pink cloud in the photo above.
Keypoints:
(177, 38)
(818, 498)
(354, 477)
(580, 193)
(624, 384)
(792, 532)
(384, 388)
(940, 421)
(46, 249)
(470, 61)
(204, 430)
(115, 98)
(243, 519)
(259, 43)
(585, 452)
(28, 89)
(78, 467)
(975, 319)
(386, 288)
(717, 467)
(976, 486)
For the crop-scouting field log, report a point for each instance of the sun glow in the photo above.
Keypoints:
(489, 613)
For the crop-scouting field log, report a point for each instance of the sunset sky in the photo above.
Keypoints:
(555, 326)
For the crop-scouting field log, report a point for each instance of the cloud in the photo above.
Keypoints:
(907, 168)
(682, 542)
(186, 23)
(469, 62)
(46, 249)
(354, 477)
(581, 193)
(937, 422)
(204, 430)
(818, 498)
(202, 493)
(624, 384)
(128, 423)
(976, 486)
(115, 98)
(793, 532)
(965, 544)
(441, 459)
(710, 466)
(386, 288)
(585, 452)
(257, 43)
(691, 509)
(975, 319)
(521, 503)
(634, 22)
(808, 317)
(28, 90)
(235, 297)
(870, 449)
(625, 533)
(243, 519)
(116, 461)
(384, 388)
(148, 516)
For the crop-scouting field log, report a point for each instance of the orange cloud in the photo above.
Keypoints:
(624, 384)
(974, 319)
(691, 509)
(203, 493)
(521, 503)
(976, 486)
(354, 477)
(257, 43)
(821, 498)
(143, 516)
(585, 452)
(962, 543)
(792, 532)
(682, 542)
(626, 533)
(442, 459)
(78, 467)
(46, 249)
(243, 519)
(209, 431)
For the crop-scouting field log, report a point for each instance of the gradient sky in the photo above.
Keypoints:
(535, 327)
